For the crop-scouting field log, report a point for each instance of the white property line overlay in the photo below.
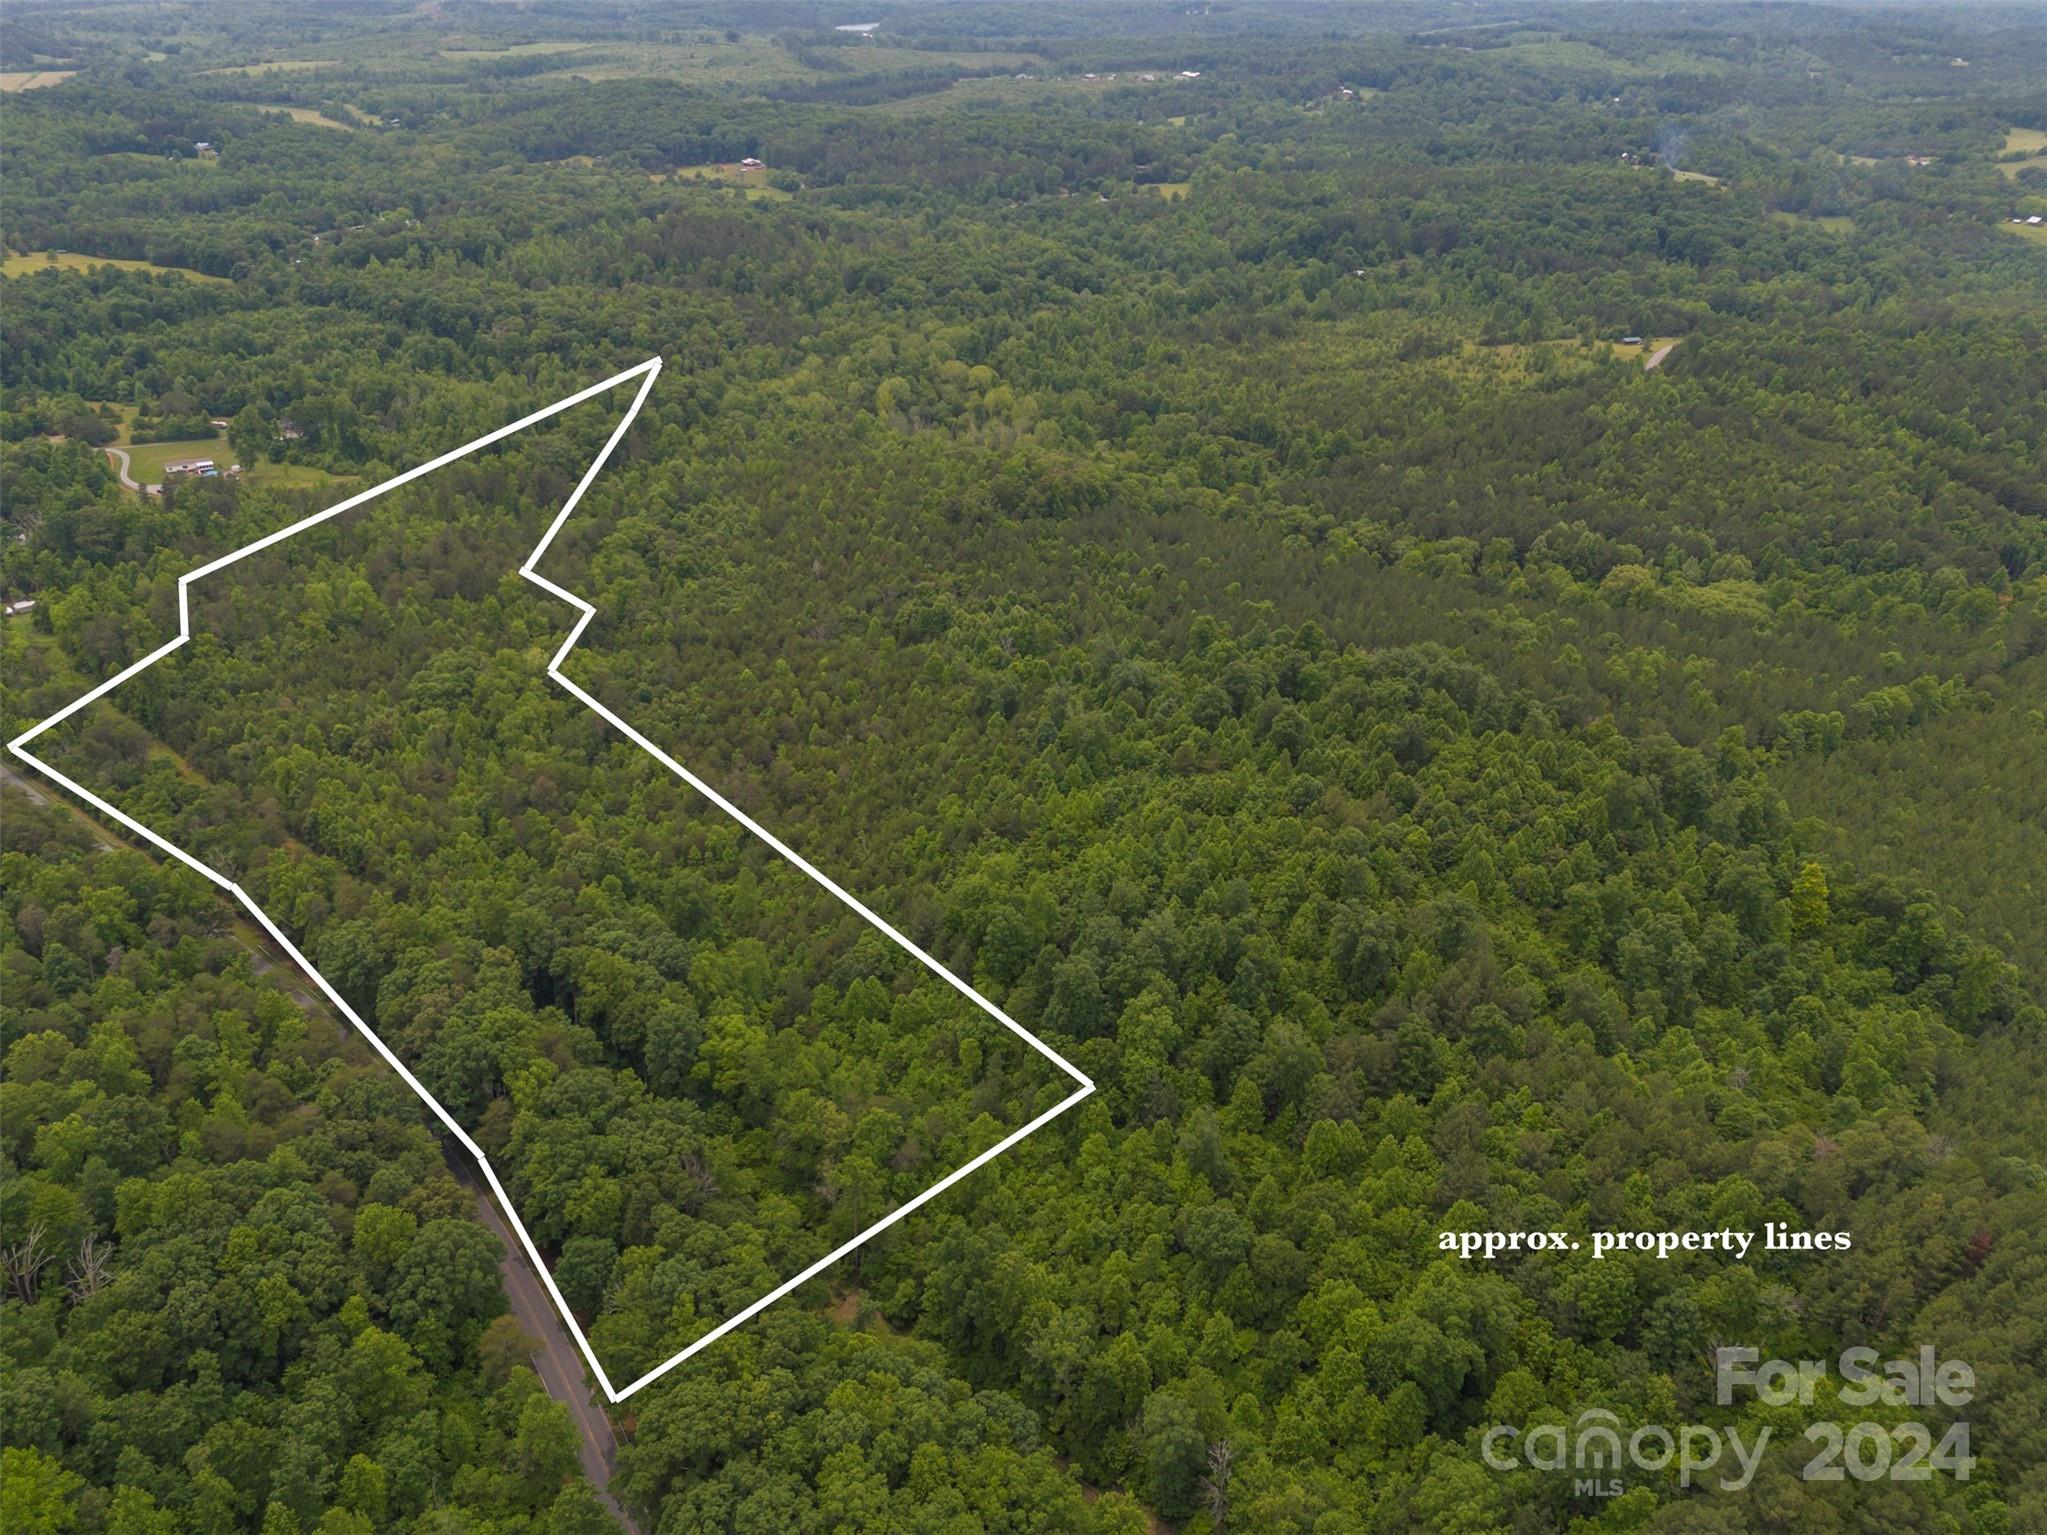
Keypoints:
(646, 372)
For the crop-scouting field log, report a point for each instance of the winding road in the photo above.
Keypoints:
(122, 464)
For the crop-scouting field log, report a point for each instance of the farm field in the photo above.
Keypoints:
(1833, 223)
(749, 180)
(147, 460)
(33, 79)
(29, 263)
(269, 65)
(513, 51)
(310, 115)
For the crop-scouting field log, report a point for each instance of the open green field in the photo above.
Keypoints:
(2037, 233)
(1171, 191)
(28, 263)
(172, 162)
(515, 50)
(750, 60)
(1000, 87)
(1648, 347)
(146, 463)
(297, 114)
(270, 64)
(751, 180)
(1521, 355)
(1833, 223)
(146, 460)
(34, 79)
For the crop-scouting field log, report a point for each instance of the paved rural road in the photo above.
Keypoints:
(557, 1362)
(1656, 357)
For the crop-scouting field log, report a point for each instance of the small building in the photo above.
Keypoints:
(24, 605)
(1631, 341)
(187, 466)
(751, 164)
(219, 423)
(288, 431)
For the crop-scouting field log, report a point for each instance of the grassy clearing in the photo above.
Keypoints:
(749, 180)
(1171, 191)
(2011, 168)
(749, 61)
(146, 461)
(175, 162)
(1648, 347)
(270, 64)
(291, 477)
(1519, 356)
(1711, 181)
(20, 264)
(872, 59)
(296, 114)
(2025, 141)
(1004, 89)
(515, 51)
(2037, 233)
(1833, 223)
(33, 79)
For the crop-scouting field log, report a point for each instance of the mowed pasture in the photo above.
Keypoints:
(751, 180)
(29, 263)
(513, 50)
(270, 64)
(1520, 356)
(1832, 223)
(33, 79)
(310, 115)
(146, 460)
(2024, 149)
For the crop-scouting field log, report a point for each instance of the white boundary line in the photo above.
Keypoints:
(646, 372)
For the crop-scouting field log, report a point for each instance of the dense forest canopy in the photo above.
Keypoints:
(1452, 604)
